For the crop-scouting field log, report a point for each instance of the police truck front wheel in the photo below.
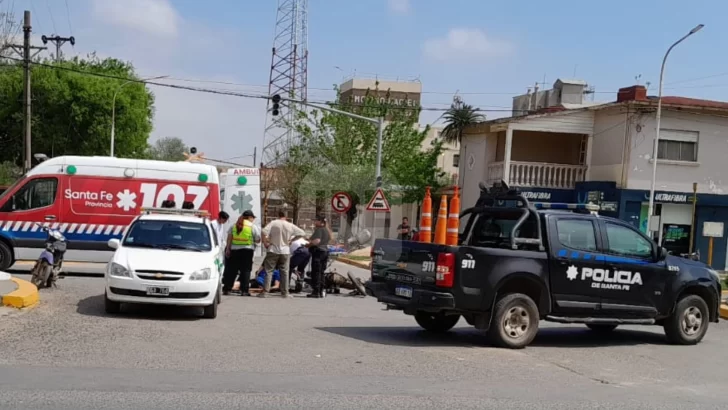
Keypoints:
(689, 322)
(436, 322)
(515, 321)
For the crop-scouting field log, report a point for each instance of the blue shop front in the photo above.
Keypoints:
(675, 210)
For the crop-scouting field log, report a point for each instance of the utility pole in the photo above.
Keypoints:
(24, 52)
(59, 42)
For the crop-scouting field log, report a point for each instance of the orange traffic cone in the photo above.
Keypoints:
(426, 218)
(453, 219)
(441, 226)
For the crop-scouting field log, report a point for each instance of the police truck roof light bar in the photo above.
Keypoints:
(175, 211)
(573, 207)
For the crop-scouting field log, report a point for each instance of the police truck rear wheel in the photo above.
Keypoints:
(6, 256)
(435, 322)
(689, 323)
(515, 321)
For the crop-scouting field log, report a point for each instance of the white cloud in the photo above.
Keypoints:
(220, 126)
(462, 44)
(156, 17)
(399, 6)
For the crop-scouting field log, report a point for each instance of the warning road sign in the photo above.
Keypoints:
(378, 202)
(341, 202)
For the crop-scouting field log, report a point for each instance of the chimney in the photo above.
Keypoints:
(633, 93)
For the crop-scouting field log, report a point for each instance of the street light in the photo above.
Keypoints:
(658, 116)
(113, 106)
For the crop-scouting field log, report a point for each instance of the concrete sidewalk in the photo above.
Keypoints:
(16, 292)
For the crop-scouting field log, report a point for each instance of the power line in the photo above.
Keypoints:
(68, 15)
(53, 20)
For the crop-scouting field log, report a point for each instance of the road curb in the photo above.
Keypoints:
(24, 296)
(352, 262)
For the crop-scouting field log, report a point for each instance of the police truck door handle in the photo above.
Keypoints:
(50, 217)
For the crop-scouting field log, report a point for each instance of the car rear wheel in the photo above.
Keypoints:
(515, 321)
(436, 322)
(602, 328)
(6, 256)
(211, 310)
(689, 323)
(110, 306)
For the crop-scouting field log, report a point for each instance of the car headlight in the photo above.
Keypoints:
(118, 270)
(201, 274)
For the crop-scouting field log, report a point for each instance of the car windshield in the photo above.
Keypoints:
(159, 234)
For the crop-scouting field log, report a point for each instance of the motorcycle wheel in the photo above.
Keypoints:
(39, 276)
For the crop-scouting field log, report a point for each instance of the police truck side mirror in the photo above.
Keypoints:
(660, 254)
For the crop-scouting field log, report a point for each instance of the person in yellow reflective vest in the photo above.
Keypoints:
(242, 239)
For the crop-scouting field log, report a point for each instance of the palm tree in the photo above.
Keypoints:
(457, 118)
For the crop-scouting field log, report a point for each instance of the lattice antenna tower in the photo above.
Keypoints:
(288, 77)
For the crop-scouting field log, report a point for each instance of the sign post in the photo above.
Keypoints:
(712, 230)
(341, 202)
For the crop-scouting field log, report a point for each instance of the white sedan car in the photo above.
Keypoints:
(169, 257)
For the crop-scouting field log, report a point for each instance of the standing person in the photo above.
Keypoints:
(240, 249)
(404, 230)
(319, 248)
(219, 226)
(277, 236)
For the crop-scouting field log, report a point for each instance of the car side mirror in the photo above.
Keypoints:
(661, 254)
(114, 243)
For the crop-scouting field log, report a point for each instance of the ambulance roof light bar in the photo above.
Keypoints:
(175, 211)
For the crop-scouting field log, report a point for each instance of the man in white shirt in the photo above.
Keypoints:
(219, 226)
(299, 255)
(277, 237)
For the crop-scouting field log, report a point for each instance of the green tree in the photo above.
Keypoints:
(72, 110)
(168, 149)
(339, 153)
(457, 118)
(9, 28)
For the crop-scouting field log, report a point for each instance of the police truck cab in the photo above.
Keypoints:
(516, 264)
(167, 256)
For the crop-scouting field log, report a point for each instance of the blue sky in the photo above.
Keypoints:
(489, 51)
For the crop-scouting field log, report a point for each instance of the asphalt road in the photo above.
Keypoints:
(341, 352)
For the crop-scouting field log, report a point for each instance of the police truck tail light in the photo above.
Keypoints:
(445, 270)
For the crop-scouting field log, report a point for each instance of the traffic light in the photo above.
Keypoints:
(276, 106)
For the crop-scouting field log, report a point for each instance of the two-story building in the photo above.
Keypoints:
(602, 152)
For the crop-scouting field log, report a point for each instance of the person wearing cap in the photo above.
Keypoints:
(277, 237)
(319, 248)
(239, 251)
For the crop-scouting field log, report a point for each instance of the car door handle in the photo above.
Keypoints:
(50, 218)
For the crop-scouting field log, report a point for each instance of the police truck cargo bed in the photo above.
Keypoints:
(516, 265)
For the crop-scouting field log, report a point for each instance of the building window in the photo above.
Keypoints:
(456, 160)
(678, 145)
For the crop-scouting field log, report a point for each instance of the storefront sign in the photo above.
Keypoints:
(671, 197)
(540, 196)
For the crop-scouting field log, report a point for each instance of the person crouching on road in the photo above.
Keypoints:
(277, 236)
(319, 248)
(240, 249)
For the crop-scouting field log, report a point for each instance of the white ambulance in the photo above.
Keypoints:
(93, 199)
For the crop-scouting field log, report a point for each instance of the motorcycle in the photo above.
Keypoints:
(47, 268)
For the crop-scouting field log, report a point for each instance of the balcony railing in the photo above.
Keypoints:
(538, 174)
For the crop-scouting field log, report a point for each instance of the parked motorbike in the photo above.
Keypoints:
(47, 268)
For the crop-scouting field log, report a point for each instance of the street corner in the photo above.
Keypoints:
(17, 293)
(363, 264)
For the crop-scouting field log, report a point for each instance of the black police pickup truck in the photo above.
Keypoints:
(516, 265)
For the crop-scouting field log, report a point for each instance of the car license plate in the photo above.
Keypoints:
(157, 291)
(403, 291)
